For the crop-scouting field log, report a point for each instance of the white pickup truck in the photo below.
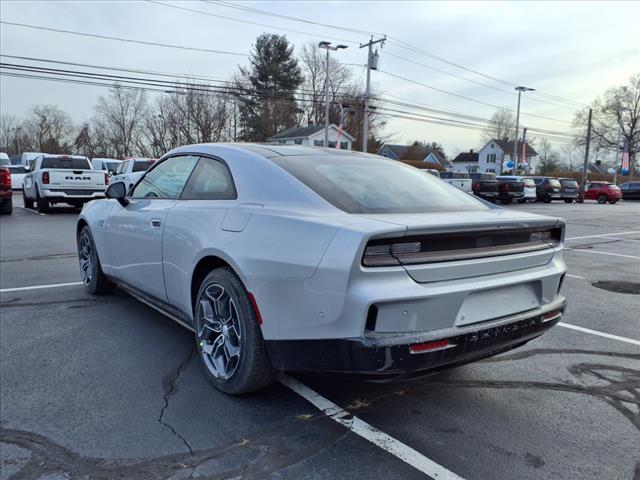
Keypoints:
(62, 179)
(461, 180)
(130, 171)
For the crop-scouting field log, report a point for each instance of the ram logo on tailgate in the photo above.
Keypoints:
(77, 178)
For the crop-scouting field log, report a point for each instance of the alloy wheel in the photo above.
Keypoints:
(218, 331)
(85, 257)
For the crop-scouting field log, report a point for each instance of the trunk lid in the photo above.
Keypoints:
(81, 179)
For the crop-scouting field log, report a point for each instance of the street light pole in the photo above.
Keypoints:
(327, 46)
(514, 157)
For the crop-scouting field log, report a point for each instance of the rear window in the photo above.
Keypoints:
(17, 169)
(367, 185)
(66, 162)
(111, 166)
(569, 183)
(141, 165)
(554, 182)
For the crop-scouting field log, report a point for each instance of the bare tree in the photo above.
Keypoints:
(9, 128)
(616, 119)
(549, 158)
(501, 126)
(119, 118)
(313, 62)
(50, 129)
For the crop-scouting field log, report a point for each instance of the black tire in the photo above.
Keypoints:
(94, 279)
(41, 204)
(568, 200)
(6, 207)
(602, 199)
(28, 203)
(546, 199)
(250, 369)
(507, 201)
(612, 202)
(580, 200)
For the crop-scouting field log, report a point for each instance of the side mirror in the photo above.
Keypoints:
(118, 191)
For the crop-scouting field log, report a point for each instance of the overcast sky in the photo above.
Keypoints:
(574, 50)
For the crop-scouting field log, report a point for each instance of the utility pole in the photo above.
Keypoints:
(365, 120)
(514, 157)
(327, 46)
(586, 155)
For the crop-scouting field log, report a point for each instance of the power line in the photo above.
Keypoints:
(120, 39)
(397, 42)
(192, 10)
(467, 98)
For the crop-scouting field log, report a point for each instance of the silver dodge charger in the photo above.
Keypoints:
(302, 259)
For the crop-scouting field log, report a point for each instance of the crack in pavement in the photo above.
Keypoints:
(170, 387)
(263, 453)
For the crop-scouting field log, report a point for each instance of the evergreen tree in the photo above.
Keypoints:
(267, 104)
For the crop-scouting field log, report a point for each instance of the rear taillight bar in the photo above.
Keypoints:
(45, 177)
(413, 250)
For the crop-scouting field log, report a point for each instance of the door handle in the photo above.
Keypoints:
(156, 222)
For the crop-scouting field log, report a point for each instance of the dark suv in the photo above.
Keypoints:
(510, 189)
(548, 189)
(570, 190)
(484, 185)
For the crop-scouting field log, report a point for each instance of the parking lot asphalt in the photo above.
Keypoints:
(105, 387)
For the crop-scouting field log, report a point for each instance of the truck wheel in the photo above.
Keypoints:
(602, 199)
(580, 200)
(93, 278)
(612, 201)
(228, 337)
(43, 205)
(568, 200)
(507, 201)
(28, 203)
(6, 207)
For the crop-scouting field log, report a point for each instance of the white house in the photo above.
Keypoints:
(396, 152)
(312, 136)
(466, 162)
(496, 153)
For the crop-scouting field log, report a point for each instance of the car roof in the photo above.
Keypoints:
(77, 157)
(272, 150)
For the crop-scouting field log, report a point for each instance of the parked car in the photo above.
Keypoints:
(109, 165)
(18, 172)
(432, 171)
(27, 157)
(528, 187)
(62, 179)
(510, 189)
(460, 180)
(603, 192)
(570, 190)
(295, 258)
(484, 185)
(131, 169)
(4, 159)
(547, 189)
(630, 190)
(6, 194)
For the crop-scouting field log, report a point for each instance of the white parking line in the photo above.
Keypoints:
(575, 276)
(600, 334)
(369, 432)
(598, 252)
(603, 235)
(38, 287)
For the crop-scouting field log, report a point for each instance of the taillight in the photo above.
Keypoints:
(106, 179)
(6, 178)
(45, 177)
(506, 187)
(430, 346)
(476, 186)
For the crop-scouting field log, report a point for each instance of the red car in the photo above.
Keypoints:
(603, 192)
(6, 200)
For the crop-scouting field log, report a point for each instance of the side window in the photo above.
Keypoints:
(211, 180)
(120, 168)
(167, 179)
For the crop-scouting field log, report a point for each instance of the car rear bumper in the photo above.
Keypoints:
(413, 354)
(68, 194)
